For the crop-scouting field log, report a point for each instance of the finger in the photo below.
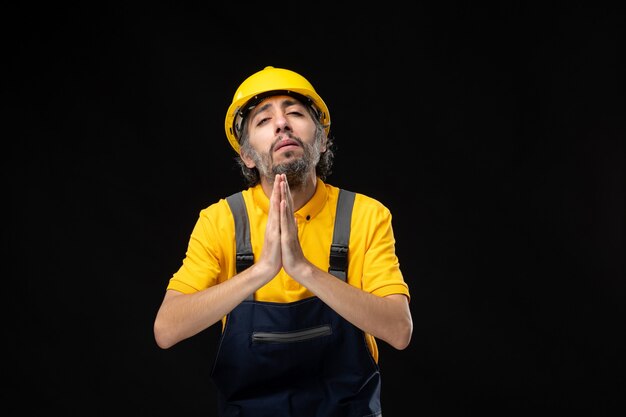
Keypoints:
(273, 219)
(287, 194)
(284, 202)
(277, 190)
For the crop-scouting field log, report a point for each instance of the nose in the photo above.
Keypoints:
(282, 124)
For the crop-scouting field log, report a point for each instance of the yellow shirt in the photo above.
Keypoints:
(372, 262)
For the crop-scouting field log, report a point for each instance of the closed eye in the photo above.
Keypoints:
(262, 121)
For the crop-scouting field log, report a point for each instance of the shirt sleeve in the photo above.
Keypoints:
(204, 263)
(374, 258)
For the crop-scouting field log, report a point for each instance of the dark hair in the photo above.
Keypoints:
(323, 169)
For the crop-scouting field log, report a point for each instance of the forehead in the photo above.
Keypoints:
(278, 100)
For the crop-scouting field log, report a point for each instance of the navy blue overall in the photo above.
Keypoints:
(298, 359)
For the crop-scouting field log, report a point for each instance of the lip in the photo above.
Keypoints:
(286, 143)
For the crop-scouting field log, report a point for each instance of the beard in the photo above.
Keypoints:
(296, 170)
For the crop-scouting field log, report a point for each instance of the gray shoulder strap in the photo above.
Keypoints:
(338, 263)
(245, 256)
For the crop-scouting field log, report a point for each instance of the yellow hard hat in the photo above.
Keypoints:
(267, 82)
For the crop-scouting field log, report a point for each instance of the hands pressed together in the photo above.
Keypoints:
(282, 248)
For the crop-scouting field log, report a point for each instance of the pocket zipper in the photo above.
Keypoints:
(296, 336)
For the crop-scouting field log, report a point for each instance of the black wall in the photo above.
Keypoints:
(494, 134)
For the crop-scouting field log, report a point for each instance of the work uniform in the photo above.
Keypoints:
(282, 377)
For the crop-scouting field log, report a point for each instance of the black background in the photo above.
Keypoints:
(495, 134)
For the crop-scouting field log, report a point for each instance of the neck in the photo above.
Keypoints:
(300, 194)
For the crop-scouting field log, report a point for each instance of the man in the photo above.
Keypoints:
(296, 339)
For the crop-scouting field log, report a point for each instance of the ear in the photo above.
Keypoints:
(324, 143)
(247, 160)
